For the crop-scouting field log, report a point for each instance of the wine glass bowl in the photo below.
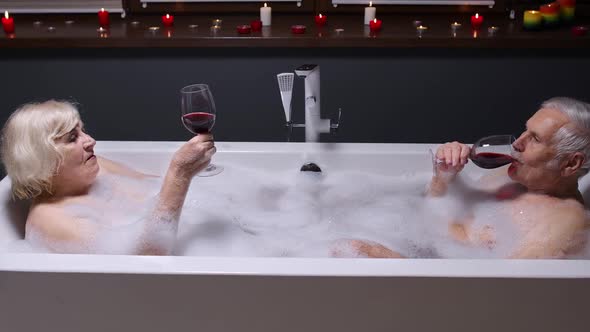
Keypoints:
(198, 115)
(493, 151)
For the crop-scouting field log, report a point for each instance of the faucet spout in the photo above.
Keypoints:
(314, 124)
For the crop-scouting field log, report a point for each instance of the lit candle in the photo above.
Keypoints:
(370, 13)
(298, 29)
(579, 30)
(8, 23)
(375, 25)
(320, 20)
(550, 14)
(476, 21)
(532, 20)
(265, 15)
(103, 18)
(455, 26)
(168, 20)
(102, 32)
(421, 29)
(244, 29)
(567, 9)
(256, 25)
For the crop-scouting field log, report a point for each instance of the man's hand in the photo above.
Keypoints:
(451, 158)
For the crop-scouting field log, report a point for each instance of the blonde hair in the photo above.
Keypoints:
(28, 148)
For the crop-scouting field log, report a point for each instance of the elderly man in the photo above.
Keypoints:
(545, 205)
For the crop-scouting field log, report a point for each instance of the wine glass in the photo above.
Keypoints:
(493, 151)
(198, 116)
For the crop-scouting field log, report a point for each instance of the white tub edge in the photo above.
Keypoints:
(296, 267)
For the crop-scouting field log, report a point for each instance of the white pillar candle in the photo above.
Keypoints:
(265, 15)
(370, 13)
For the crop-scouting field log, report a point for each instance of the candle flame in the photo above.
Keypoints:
(6, 14)
(375, 20)
(265, 4)
(320, 15)
(167, 16)
(476, 15)
(370, 3)
(102, 9)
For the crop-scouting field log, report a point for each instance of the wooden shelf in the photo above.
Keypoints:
(398, 32)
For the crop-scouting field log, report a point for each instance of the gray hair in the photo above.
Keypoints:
(574, 137)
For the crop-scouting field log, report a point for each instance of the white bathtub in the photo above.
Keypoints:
(51, 292)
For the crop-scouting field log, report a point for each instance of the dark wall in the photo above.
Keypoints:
(386, 95)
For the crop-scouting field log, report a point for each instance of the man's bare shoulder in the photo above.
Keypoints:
(567, 211)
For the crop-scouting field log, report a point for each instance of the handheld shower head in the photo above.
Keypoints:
(285, 81)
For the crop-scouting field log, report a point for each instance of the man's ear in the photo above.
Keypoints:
(573, 164)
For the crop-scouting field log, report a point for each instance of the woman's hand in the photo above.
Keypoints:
(193, 156)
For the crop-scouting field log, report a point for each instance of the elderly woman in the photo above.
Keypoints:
(50, 161)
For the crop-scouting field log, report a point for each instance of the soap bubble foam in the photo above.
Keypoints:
(248, 212)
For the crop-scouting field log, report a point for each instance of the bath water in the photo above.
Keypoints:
(249, 212)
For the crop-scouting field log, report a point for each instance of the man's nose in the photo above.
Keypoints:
(518, 145)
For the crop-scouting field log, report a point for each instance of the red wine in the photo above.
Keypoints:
(491, 159)
(198, 122)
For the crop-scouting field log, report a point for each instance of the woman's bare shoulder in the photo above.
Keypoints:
(117, 168)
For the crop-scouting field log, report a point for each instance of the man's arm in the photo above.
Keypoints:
(449, 160)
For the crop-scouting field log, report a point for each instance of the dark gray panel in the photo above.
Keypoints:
(386, 95)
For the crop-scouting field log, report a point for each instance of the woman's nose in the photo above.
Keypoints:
(89, 142)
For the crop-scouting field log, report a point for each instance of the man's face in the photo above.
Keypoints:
(534, 166)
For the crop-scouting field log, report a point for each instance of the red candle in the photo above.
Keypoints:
(375, 25)
(256, 25)
(103, 18)
(320, 20)
(550, 8)
(8, 23)
(579, 30)
(244, 29)
(476, 21)
(168, 20)
(298, 29)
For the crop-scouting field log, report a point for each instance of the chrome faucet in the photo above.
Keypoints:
(314, 124)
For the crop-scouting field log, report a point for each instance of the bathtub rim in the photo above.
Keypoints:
(295, 267)
(281, 266)
(274, 147)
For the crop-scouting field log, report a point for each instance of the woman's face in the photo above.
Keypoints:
(79, 167)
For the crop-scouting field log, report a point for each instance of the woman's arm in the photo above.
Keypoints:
(50, 227)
